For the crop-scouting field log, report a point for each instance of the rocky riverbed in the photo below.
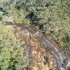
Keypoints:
(41, 53)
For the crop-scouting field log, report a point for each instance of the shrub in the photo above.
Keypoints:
(11, 53)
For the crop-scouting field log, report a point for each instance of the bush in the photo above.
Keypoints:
(11, 53)
(1, 13)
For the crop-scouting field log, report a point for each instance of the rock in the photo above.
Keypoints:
(40, 52)
(17, 34)
(10, 27)
(36, 34)
(25, 31)
(68, 68)
(22, 43)
(69, 65)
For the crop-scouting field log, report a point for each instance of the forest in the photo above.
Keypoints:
(52, 17)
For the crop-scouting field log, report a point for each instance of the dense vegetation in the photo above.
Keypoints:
(51, 16)
(11, 53)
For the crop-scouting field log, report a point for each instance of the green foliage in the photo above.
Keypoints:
(51, 16)
(11, 53)
(1, 13)
(20, 16)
